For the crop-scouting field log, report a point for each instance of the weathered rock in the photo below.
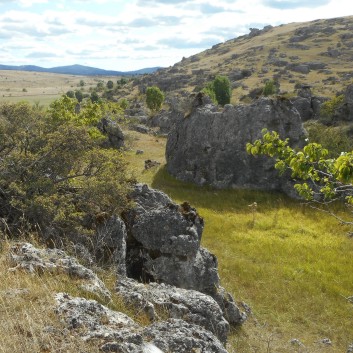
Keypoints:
(143, 129)
(151, 164)
(180, 337)
(95, 321)
(189, 305)
(24, 256)
(350, 348)
(163, 245)
(116, 332)
(303, 105)
(115, 136)
(109, 243)
(348, 98)
(209, 147)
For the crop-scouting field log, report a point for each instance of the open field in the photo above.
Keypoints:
(43, 87)
(291, 264)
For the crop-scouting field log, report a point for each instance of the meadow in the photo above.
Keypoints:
(41, 87)
(291, 264)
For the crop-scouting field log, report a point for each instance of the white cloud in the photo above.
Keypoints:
(131, 34)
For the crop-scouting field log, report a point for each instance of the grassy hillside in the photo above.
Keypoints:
(291, 264)
(323, 47)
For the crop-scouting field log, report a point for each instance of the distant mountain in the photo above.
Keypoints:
(79, 70)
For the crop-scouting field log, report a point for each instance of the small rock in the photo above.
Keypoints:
(150, 164)
(296, 342)
(326, 341)
(139, 152)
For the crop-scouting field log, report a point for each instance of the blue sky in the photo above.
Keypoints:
(127, 35)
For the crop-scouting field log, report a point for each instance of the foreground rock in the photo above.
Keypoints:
(24, 256)
(189, 305)
(116, 332)
(208, 147)
(163, 246)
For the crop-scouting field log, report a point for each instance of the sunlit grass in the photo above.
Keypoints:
(292, 264)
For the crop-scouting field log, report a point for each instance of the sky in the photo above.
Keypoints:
(126, 35)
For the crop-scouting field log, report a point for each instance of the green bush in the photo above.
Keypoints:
(54, 177)
(329, 108)
(221, 87)
(154, 98)
(333, 138)
(270, 88)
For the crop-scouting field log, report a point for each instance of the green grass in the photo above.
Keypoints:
(292, 264)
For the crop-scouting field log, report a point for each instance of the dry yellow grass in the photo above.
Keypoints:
(42, 87)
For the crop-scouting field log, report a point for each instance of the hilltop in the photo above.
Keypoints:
(316, 53)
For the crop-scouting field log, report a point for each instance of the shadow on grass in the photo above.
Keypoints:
(216, 199)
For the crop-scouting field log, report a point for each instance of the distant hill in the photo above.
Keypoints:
(317, 53)
(79, 70)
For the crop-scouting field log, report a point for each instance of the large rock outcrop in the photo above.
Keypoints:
(163, 246)
(208, 147)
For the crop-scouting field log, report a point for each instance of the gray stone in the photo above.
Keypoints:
(163, 245)
(350, 348)
(24, 256)
(149, 163)
(209, 147)
(143, 129)
(178, 336)
(115, 136)
(189, 305)
(95, 321)
(116, 332)
(303, 105)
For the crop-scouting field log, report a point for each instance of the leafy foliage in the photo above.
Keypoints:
(329, 107)
(320, 179)
(54, 177)
(270, 88)
(334, 138)
(209, 91)
(221, 87)
(154, 98)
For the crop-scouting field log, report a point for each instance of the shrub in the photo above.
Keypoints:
(154, 98)
(221, 87)
(54, 177)
(270, 88)
(329, 108)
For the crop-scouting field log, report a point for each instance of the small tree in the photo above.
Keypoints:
(221, 87)
(320, 180)
(110, 84)
(154, 98)
(270, 88)
(79, 95)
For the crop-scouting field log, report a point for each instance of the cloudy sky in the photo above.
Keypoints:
(132, 34)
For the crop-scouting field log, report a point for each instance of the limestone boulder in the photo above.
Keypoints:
(190, 305)
(116, 332)
(26, 257)
(163, 245)
(209, 147)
